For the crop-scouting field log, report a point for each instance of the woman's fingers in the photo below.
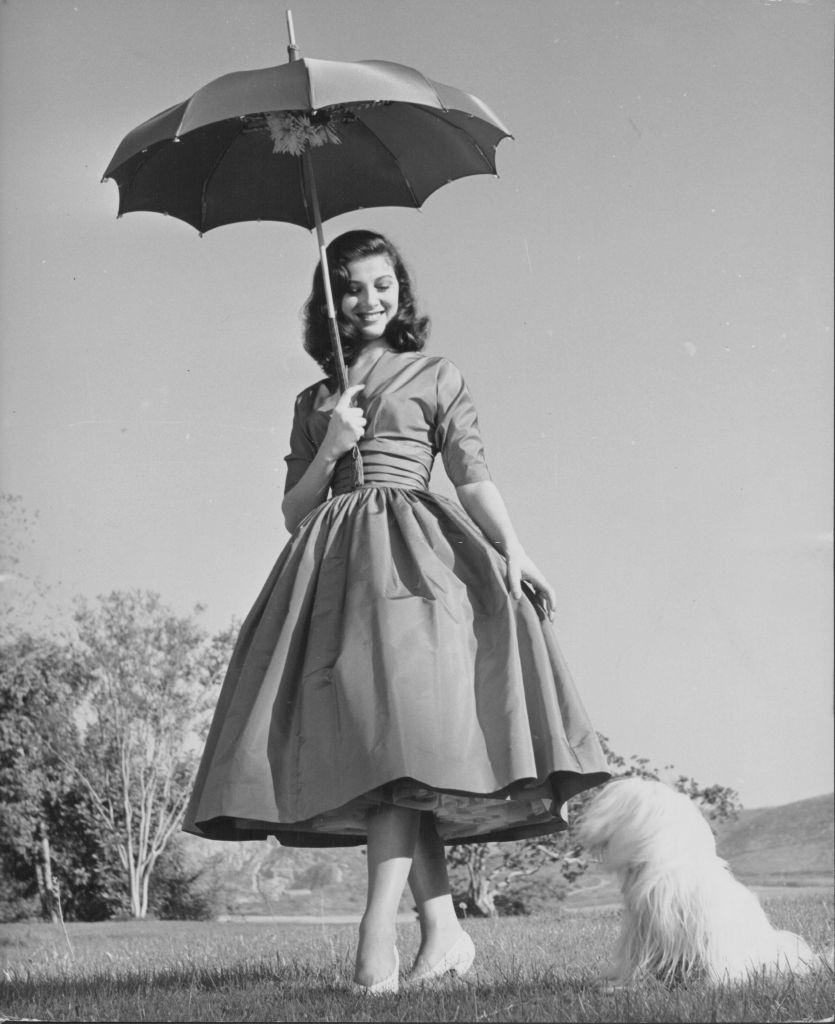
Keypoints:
(518, 570)
(514, 577)
(352, 415)
(543, 589)
(347, 422)
(347, 397)
(546, 590)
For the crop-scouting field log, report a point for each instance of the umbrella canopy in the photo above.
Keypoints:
(303, 142)
(377, 134)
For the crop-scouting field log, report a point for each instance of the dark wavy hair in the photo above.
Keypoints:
(405, 332)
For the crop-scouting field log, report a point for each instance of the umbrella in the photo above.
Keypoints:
(303, 142)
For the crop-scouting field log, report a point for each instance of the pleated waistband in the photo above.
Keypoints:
(382, 469)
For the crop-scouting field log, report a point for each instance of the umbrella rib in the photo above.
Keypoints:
(208, 179)
(309, 77)
(303, 190)
(397, 163)
(431, 85)
(140, 164)
(490, 163)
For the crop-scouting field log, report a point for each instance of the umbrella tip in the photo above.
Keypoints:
(292, 49)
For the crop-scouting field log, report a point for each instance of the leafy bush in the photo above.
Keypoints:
(319, 875)
(176, 892)
(511, 905)
(18, 897)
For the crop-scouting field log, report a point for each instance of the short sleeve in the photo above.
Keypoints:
(302, 448)
(457, 436)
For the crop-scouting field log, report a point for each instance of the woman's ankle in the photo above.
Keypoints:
(437, 916)
(439, 935)
(374, 929)
(376, 951)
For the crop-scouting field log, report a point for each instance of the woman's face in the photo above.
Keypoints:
(372, 297)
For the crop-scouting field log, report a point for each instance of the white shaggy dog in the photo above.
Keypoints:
(685, 915)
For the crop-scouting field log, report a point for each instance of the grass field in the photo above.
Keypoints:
(527, 969)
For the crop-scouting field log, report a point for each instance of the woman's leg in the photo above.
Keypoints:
(392, 834)
(429, 882)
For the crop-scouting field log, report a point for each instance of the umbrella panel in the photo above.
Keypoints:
(250, 182)
(433, 146)
(169, 177)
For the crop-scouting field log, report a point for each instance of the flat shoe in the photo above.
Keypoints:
(457, 960)
(385, 987)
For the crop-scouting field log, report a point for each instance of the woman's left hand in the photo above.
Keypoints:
(520, 568)
(483, 504)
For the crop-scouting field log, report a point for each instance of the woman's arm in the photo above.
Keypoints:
(345, 428)
(485, 506)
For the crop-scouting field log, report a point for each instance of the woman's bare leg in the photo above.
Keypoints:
(429, 882)
(392, 834)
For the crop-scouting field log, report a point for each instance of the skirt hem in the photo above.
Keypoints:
(564, 786)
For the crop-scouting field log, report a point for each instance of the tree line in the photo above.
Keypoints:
(99, 735)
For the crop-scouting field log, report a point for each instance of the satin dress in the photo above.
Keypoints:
(385, 660)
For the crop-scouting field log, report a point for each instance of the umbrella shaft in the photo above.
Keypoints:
(357, 476)
(336, 343)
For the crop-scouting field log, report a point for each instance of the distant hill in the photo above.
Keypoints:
(788, 845)
(791, 844)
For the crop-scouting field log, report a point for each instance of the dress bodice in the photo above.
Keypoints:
(415, 406)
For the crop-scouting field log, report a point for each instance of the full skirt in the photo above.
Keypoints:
(385, 662)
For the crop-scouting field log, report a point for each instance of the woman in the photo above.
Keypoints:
(397, 682)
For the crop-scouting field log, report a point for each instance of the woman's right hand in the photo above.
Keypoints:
(347, 424)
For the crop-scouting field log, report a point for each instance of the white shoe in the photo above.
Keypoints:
(457, 960)
(387, 986)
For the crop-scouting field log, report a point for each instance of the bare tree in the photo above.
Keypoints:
(154, 681)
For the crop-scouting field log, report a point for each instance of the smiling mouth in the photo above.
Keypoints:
(370, 317)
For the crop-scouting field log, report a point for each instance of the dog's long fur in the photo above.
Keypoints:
(685, 915)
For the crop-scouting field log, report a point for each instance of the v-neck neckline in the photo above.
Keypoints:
(369, 373)
(362, 397)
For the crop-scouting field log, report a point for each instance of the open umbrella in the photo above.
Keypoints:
(303, 142)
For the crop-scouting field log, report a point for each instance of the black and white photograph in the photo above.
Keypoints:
(416, 488)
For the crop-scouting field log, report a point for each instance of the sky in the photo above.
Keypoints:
(641, 304)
